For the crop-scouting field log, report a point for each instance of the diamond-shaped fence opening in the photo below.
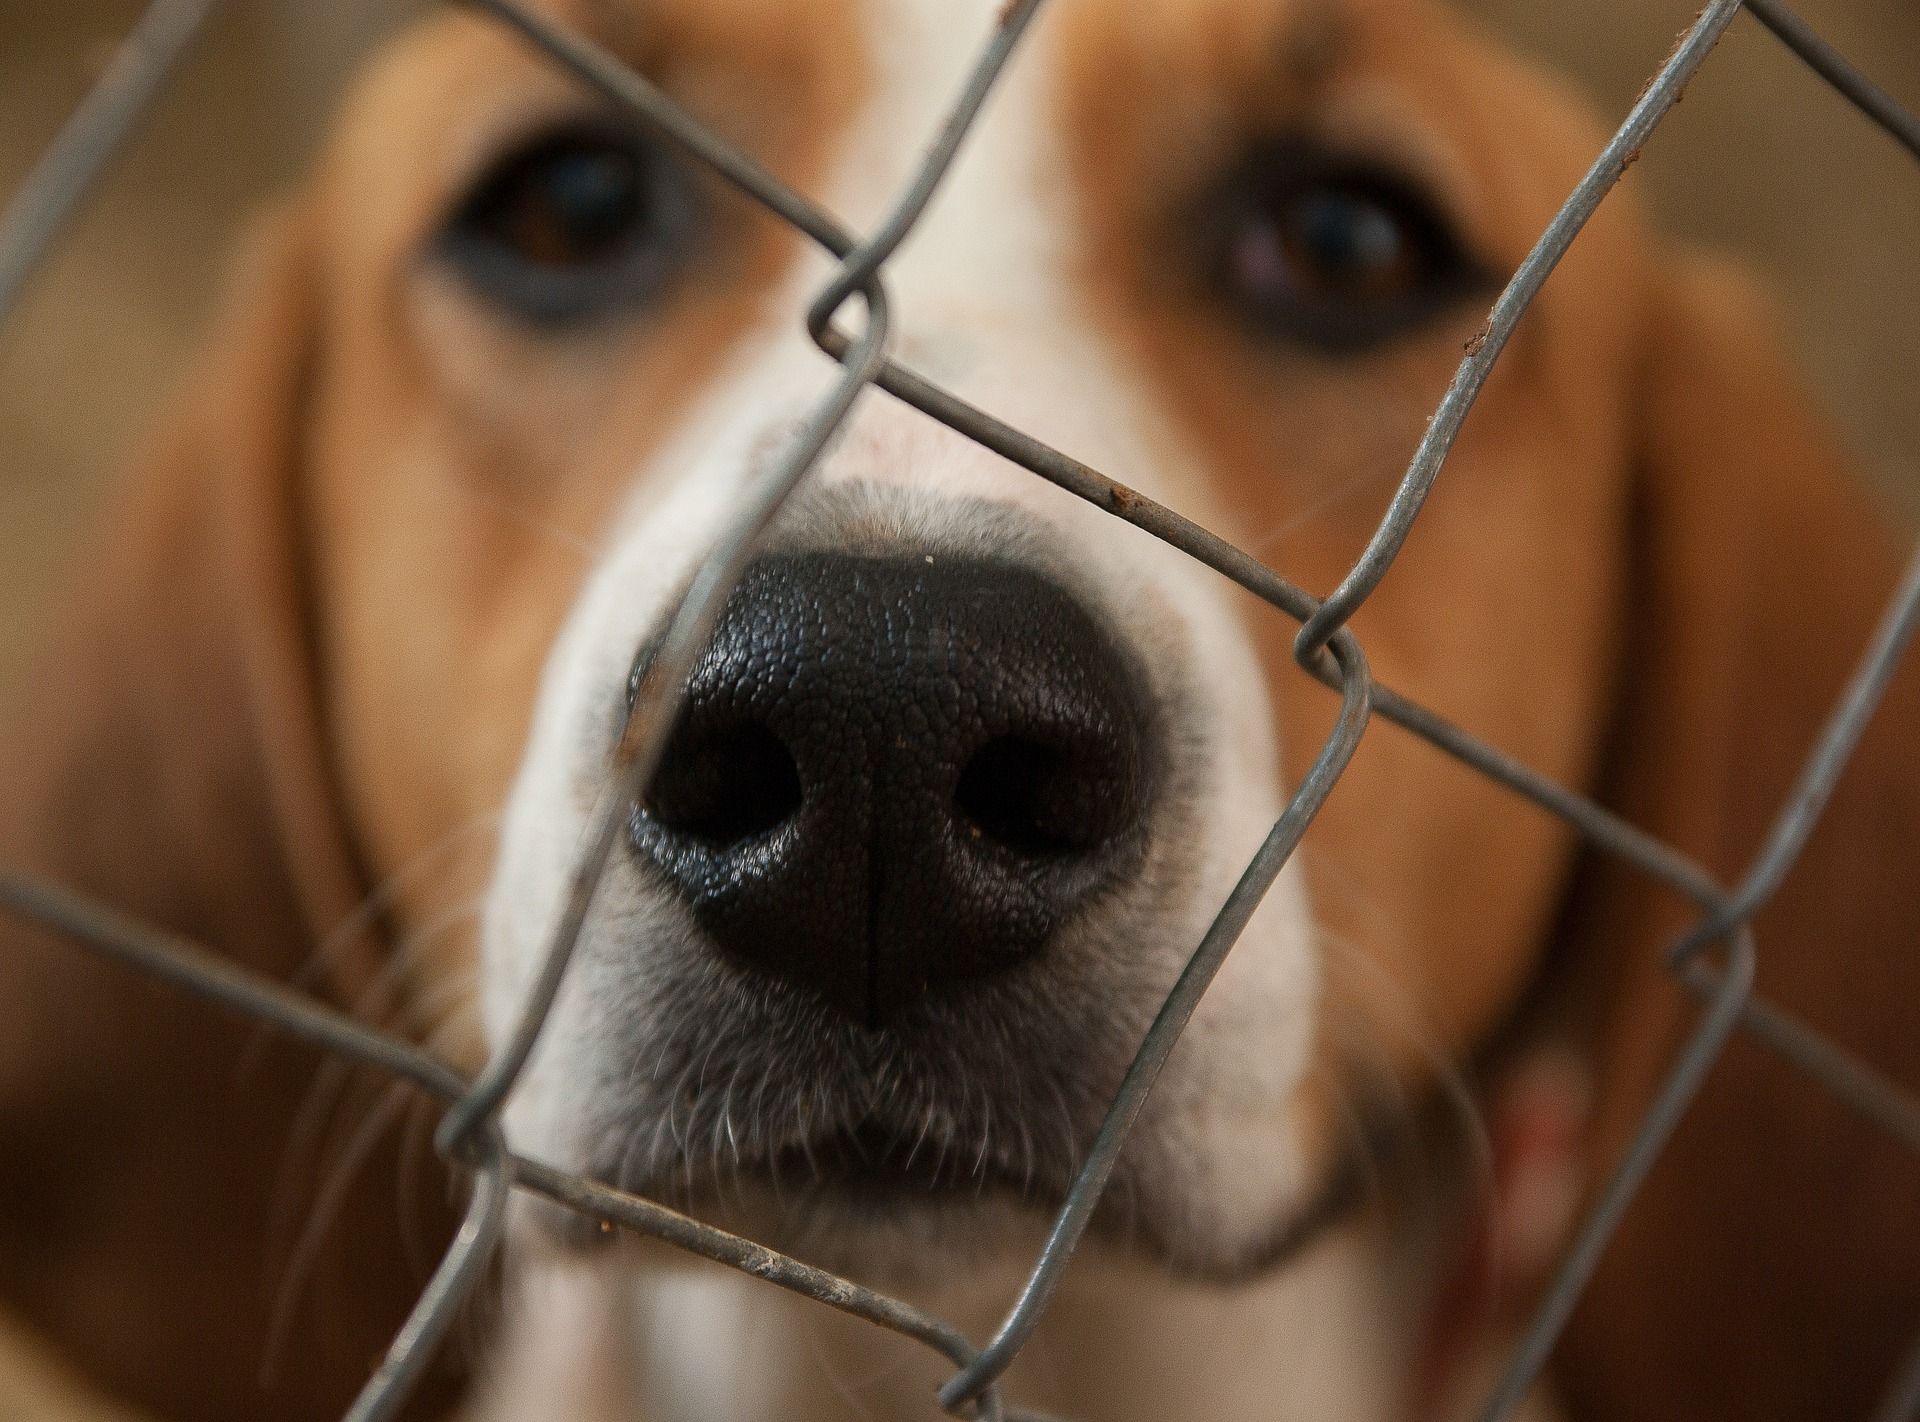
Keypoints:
(851, 321)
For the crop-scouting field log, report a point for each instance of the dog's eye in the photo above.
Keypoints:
(1338, 254)
(576, 224)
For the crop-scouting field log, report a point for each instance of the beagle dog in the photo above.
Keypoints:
(968, 764)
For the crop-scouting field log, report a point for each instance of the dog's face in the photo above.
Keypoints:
(970, 764)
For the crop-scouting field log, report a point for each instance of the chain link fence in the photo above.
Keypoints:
(1716, 959)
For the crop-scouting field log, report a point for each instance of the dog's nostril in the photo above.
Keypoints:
(722, 786)
(1040, 799)
(898, 773)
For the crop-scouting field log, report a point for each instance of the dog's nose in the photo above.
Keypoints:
(893, 773)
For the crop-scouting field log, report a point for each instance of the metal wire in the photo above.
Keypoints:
(1683, 1083)
(1172, 1020)
(1660, 95)
(96, 131)
(1902, 1403)
(1825, 765)
(470, 1135)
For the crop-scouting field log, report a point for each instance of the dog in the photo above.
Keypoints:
(968, 765)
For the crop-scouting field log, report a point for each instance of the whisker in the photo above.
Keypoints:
(846, 1389)
(416, 1135)
(329, 1200)
(1373, 476)
(588, 549)
(360, 919)
(625, 1173)
(1385, 1012)
(1385, 1003)
(323, 1098)
(445, 1017)
(1356, 1123)
(304, 1154)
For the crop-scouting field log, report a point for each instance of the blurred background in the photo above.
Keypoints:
(1761, 159)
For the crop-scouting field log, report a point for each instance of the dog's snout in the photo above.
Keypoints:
(892, 773)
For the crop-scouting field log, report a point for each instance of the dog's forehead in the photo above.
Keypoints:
(949, 25)
(909, 57)
(859, 87)
(1002, 225)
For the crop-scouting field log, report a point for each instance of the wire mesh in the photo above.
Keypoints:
(1716, 958)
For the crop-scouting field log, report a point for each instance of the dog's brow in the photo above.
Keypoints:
(1208, 70)
(747, 25)
(1299, 42)
(1312, 42)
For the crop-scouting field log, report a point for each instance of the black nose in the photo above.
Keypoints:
(895, 772)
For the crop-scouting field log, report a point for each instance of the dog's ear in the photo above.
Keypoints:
(175, 724)
(169, 758)
(1761, 566)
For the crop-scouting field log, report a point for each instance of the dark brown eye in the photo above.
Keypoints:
(1337, 254)
(575, 224)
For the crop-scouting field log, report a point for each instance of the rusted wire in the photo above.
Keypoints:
(1716, 959)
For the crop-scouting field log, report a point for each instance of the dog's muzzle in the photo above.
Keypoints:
(895, 774)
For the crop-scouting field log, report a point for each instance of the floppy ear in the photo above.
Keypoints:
(169, 759)
(1771, 1266)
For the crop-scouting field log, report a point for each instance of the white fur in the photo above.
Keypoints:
(984, 306)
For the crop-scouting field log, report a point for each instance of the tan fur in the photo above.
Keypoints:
(1520, 544)
(1638, 416)
(304, 657)
(481, 514)
(300, 662)
(1769, 1268)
